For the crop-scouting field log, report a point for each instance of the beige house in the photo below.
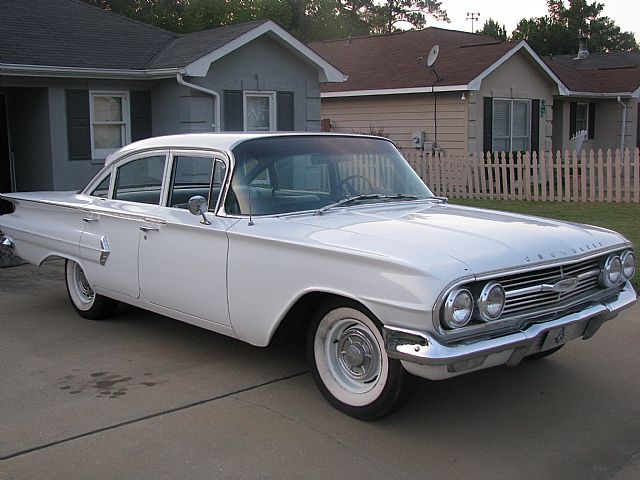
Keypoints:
(479, 95)
(602, 99)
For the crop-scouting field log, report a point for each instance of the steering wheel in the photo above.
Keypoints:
(349, 185)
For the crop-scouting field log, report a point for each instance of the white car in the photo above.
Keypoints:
(251, 234)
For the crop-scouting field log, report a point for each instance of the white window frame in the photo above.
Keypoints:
(125, 124)
(511, 102)
(271, 95)
(586, 119)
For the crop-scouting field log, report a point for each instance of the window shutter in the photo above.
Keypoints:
(140, 115)
(488, 119)
(285, 112)
(591, 134)
(233, 114)
(573, 108)
(78, 125)
(535, 126)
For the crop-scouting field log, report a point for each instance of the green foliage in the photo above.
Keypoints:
(308, 20)
(557, 33)
(493, 29)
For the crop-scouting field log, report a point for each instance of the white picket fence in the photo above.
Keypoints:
(569, 177)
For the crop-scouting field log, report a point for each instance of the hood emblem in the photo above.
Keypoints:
(563, 286)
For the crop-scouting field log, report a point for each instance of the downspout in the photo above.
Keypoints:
(213, 93)
(623, 127)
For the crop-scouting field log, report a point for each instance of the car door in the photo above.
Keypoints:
(183, 261)
(126, 201)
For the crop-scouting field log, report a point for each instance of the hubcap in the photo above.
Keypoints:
(82, 285)
(353, 355)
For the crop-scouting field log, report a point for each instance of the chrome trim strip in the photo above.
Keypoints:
(422, 348)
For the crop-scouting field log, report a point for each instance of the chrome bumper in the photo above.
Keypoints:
(421, 348)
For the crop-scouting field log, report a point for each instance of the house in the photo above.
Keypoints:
(479, 94)
(78, 82)
(603, 90)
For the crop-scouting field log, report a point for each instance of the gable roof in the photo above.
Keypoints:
(387, 64)
(71, 38)
(606, 74)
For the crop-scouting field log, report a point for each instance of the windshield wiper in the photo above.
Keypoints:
(365, 196)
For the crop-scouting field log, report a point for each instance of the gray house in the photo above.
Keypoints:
(77, 83)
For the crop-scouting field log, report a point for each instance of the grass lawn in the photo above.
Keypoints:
(622, 217)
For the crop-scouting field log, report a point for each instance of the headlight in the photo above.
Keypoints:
(491, 302)
(458, 308)
(612, 271)
(628, 260)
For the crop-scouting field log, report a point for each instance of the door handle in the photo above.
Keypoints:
(149, 228)
(89, 219)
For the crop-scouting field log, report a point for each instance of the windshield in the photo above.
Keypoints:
(277, 175)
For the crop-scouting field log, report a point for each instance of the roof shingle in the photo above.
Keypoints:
(391, 61)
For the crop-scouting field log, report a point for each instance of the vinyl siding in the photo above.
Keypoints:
(398, 116)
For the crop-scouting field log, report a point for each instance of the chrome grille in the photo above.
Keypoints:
(532, 291)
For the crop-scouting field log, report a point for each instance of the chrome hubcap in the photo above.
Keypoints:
(82, 284)
(353, 355)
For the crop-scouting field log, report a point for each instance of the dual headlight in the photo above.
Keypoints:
(460, 305)
(618, 269)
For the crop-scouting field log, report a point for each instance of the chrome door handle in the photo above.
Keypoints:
(149, 228)
(89, 219)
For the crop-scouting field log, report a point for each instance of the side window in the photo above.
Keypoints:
(102, 190)
(219, 172)
(191, 176)
(140, 180)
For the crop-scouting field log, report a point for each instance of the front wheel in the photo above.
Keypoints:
(85, 301)
(350, 366)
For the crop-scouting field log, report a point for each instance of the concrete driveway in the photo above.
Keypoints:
(143, 396)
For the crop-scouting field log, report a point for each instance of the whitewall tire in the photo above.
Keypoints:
(349, 363)
(85, 301)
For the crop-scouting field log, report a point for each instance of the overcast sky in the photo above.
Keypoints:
(625, 13)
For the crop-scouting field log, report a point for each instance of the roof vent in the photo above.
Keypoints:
(582, 49)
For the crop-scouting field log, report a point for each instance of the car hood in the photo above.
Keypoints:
(484, 240)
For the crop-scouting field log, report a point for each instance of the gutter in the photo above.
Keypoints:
(623, 125)
(9, 69)
(213, 93)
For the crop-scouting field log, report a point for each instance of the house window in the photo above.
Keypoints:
(582, 117)
(511, 125)
(259, 111)
(110, 122)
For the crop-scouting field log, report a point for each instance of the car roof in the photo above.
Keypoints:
(214, 141)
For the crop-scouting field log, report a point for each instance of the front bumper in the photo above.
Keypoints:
(423, 356)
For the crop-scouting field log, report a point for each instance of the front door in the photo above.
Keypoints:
(183, 262)
(6, 173)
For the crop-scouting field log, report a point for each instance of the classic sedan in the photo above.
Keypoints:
(250, 235)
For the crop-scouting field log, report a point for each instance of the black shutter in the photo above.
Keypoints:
(78, 125)
(488, 125)
(285, 112)
(535, 126)
(140, 115)
(233, 114)
(573, 108)
(591, 134)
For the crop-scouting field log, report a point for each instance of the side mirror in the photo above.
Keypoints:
(198, 206)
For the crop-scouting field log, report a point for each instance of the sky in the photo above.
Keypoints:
(625, 13)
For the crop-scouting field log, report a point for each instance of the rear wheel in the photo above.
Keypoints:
(85, 301)
(349, 363)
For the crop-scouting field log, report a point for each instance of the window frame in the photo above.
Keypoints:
(115, 173)
(586, 118)
(125, 123)
(273, 114)
(510, 138)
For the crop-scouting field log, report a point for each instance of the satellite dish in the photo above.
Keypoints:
(433, 55)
